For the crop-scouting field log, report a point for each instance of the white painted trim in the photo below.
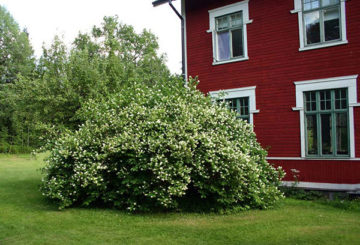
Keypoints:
(311, 159)
(228, 8)
(242, 6)
(349, 82)
(323, 45)
(229, 61)
(183, 13)
(323, 186)
(299, 10)
(238, 93)
(294, 11)
(331, 79)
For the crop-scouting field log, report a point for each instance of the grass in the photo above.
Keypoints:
(26, 218)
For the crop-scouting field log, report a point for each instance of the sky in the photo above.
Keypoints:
(44, 19)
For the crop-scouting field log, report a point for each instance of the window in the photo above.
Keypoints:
(240, 106)
(228, 28)
(326, 109)
(321, 23)
(326, 123)
(229, 35)
(241, 100)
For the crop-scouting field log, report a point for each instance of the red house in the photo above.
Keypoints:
(290, 68)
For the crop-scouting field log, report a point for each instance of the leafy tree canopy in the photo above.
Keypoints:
(98, 64)
(16, 54)
(16, 59)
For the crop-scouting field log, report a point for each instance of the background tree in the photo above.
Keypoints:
(16, 58)
(16, 54)
(98, 64)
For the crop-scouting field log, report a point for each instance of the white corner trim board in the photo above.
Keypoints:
(349, 82)
(324, 186)
(239, 93)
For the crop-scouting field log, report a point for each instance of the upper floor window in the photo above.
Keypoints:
(229, 35)
(321, 23)
(321, 20)
(228, 28)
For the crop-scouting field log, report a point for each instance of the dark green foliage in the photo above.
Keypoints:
(98, 64)
(16, 54)
(340, 200)
(302, 194)
(16, 59)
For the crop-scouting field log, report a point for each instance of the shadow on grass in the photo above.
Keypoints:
(25, 194)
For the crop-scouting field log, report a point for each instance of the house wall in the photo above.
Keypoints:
(274, 64)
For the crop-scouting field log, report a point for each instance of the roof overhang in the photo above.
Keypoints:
(159, 2)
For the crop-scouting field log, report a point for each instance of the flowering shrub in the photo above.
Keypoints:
(153, 147)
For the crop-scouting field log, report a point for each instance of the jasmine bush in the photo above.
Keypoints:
(152, 147)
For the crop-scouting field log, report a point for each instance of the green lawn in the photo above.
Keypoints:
(26, 218)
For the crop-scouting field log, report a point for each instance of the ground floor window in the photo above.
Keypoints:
(241, 100)
(327, 123)
(240, 106)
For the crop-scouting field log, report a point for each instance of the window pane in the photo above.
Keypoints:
(244, 106)
(236, 20)
(326, 134)
(247, 119)
(224, 45)
(240, 106)
(312, 147)
(329, 2)
(331, 24)
(344, 103)
(342, 134)
(237, 43)
(311, 4)
(310, 98)
(231, 104)
(340, 99)
(312, 27)
(325, 100)
(222, 23)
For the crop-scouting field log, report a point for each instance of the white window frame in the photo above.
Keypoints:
(239, 93)
(243, 7)
(349, 82)
(299, 10)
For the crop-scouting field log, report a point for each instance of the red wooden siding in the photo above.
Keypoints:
(338, 172)
(274, 64)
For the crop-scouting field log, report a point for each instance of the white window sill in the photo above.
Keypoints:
(323, 45)
(229, 61)
(313, 159)
(354, 105)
